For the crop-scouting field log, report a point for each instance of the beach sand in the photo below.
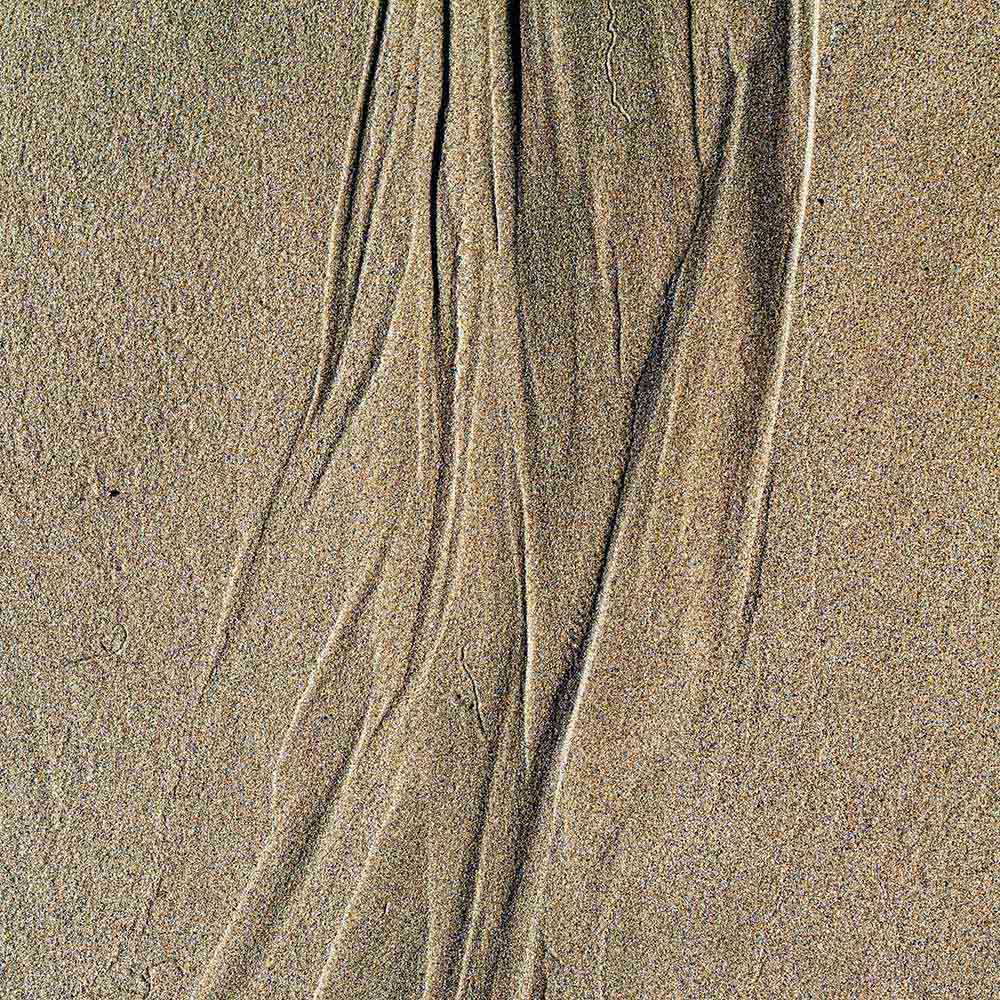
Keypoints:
(500, 500)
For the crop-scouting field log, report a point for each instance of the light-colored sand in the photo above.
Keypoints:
(583, 589)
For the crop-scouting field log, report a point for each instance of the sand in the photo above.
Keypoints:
(500, 500)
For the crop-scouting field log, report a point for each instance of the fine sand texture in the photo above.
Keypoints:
(500, 500)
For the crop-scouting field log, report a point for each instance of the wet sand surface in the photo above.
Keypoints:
(500, 500)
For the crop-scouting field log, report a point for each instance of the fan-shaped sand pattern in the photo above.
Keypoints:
(546, 480)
